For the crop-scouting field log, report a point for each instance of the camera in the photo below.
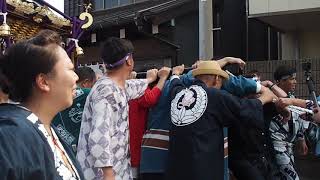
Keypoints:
(306, 66)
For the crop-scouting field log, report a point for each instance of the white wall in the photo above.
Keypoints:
(275, 6)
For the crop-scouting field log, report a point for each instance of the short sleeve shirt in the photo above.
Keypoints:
(104, 133)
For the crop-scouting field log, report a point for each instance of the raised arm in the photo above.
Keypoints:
(176, 85)
(241, 86)
(135, 88)
(274, 88)
(151, 96)
(231, 60)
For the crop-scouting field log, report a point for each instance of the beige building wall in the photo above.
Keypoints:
(300, 45)
(310, 45)
(257, 7)
(288, 42)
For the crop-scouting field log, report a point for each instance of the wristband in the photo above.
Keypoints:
(271, 86)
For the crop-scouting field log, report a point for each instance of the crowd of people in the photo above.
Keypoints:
(61, 123)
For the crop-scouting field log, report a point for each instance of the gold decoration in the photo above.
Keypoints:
(22, 7)
(4, 28)
(59, 21)
(83, 16)
(42, 12)
(21, 30)
(87, 15)
(79, 50)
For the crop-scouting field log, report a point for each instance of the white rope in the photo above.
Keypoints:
(299, 110)
(75, 41)
(4, 17)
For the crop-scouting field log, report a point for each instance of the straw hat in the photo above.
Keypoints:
(209, 67)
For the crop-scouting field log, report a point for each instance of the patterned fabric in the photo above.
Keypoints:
(68, 122)
(104, 134)
(62, 169)
(288, 172)
(283, 136)
(154, 149)
(205, 160)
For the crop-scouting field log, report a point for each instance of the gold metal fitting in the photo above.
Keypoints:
(4, 28)
(79, 51)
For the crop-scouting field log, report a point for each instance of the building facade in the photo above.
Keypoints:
(164, 32)
(297, 22)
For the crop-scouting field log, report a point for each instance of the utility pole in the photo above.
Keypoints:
(205, 29)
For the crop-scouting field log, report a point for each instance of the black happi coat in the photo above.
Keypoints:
(24, 151)
(196, 149)
(251, 154)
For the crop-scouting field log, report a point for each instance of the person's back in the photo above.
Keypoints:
(138, 115)
(251, 155)
(68, 121)
(103, 147)
(155, 144)
(198, 115)
(250, 148)
(197, 148)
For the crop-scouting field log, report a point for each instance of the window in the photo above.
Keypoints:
(107, 4)
(124, 2)
(111, 3)
(98, 4)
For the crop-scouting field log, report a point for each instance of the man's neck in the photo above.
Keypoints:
(119, 77)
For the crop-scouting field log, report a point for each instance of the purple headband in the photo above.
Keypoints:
(117, 63)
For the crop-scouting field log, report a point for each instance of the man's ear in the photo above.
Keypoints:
(86, 83)
(42, 82)
(129, 62)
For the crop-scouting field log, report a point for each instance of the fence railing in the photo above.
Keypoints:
(267, 68)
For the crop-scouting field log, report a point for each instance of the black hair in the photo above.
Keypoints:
(282, 71)
(114, 49)
(215, 58)
(4, 83)
(85, 73)
(46, 37)
(252, 73)
(24, 61)
(147, 67)
(102, 69)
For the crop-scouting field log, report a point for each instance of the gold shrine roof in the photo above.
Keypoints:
(27, 18)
